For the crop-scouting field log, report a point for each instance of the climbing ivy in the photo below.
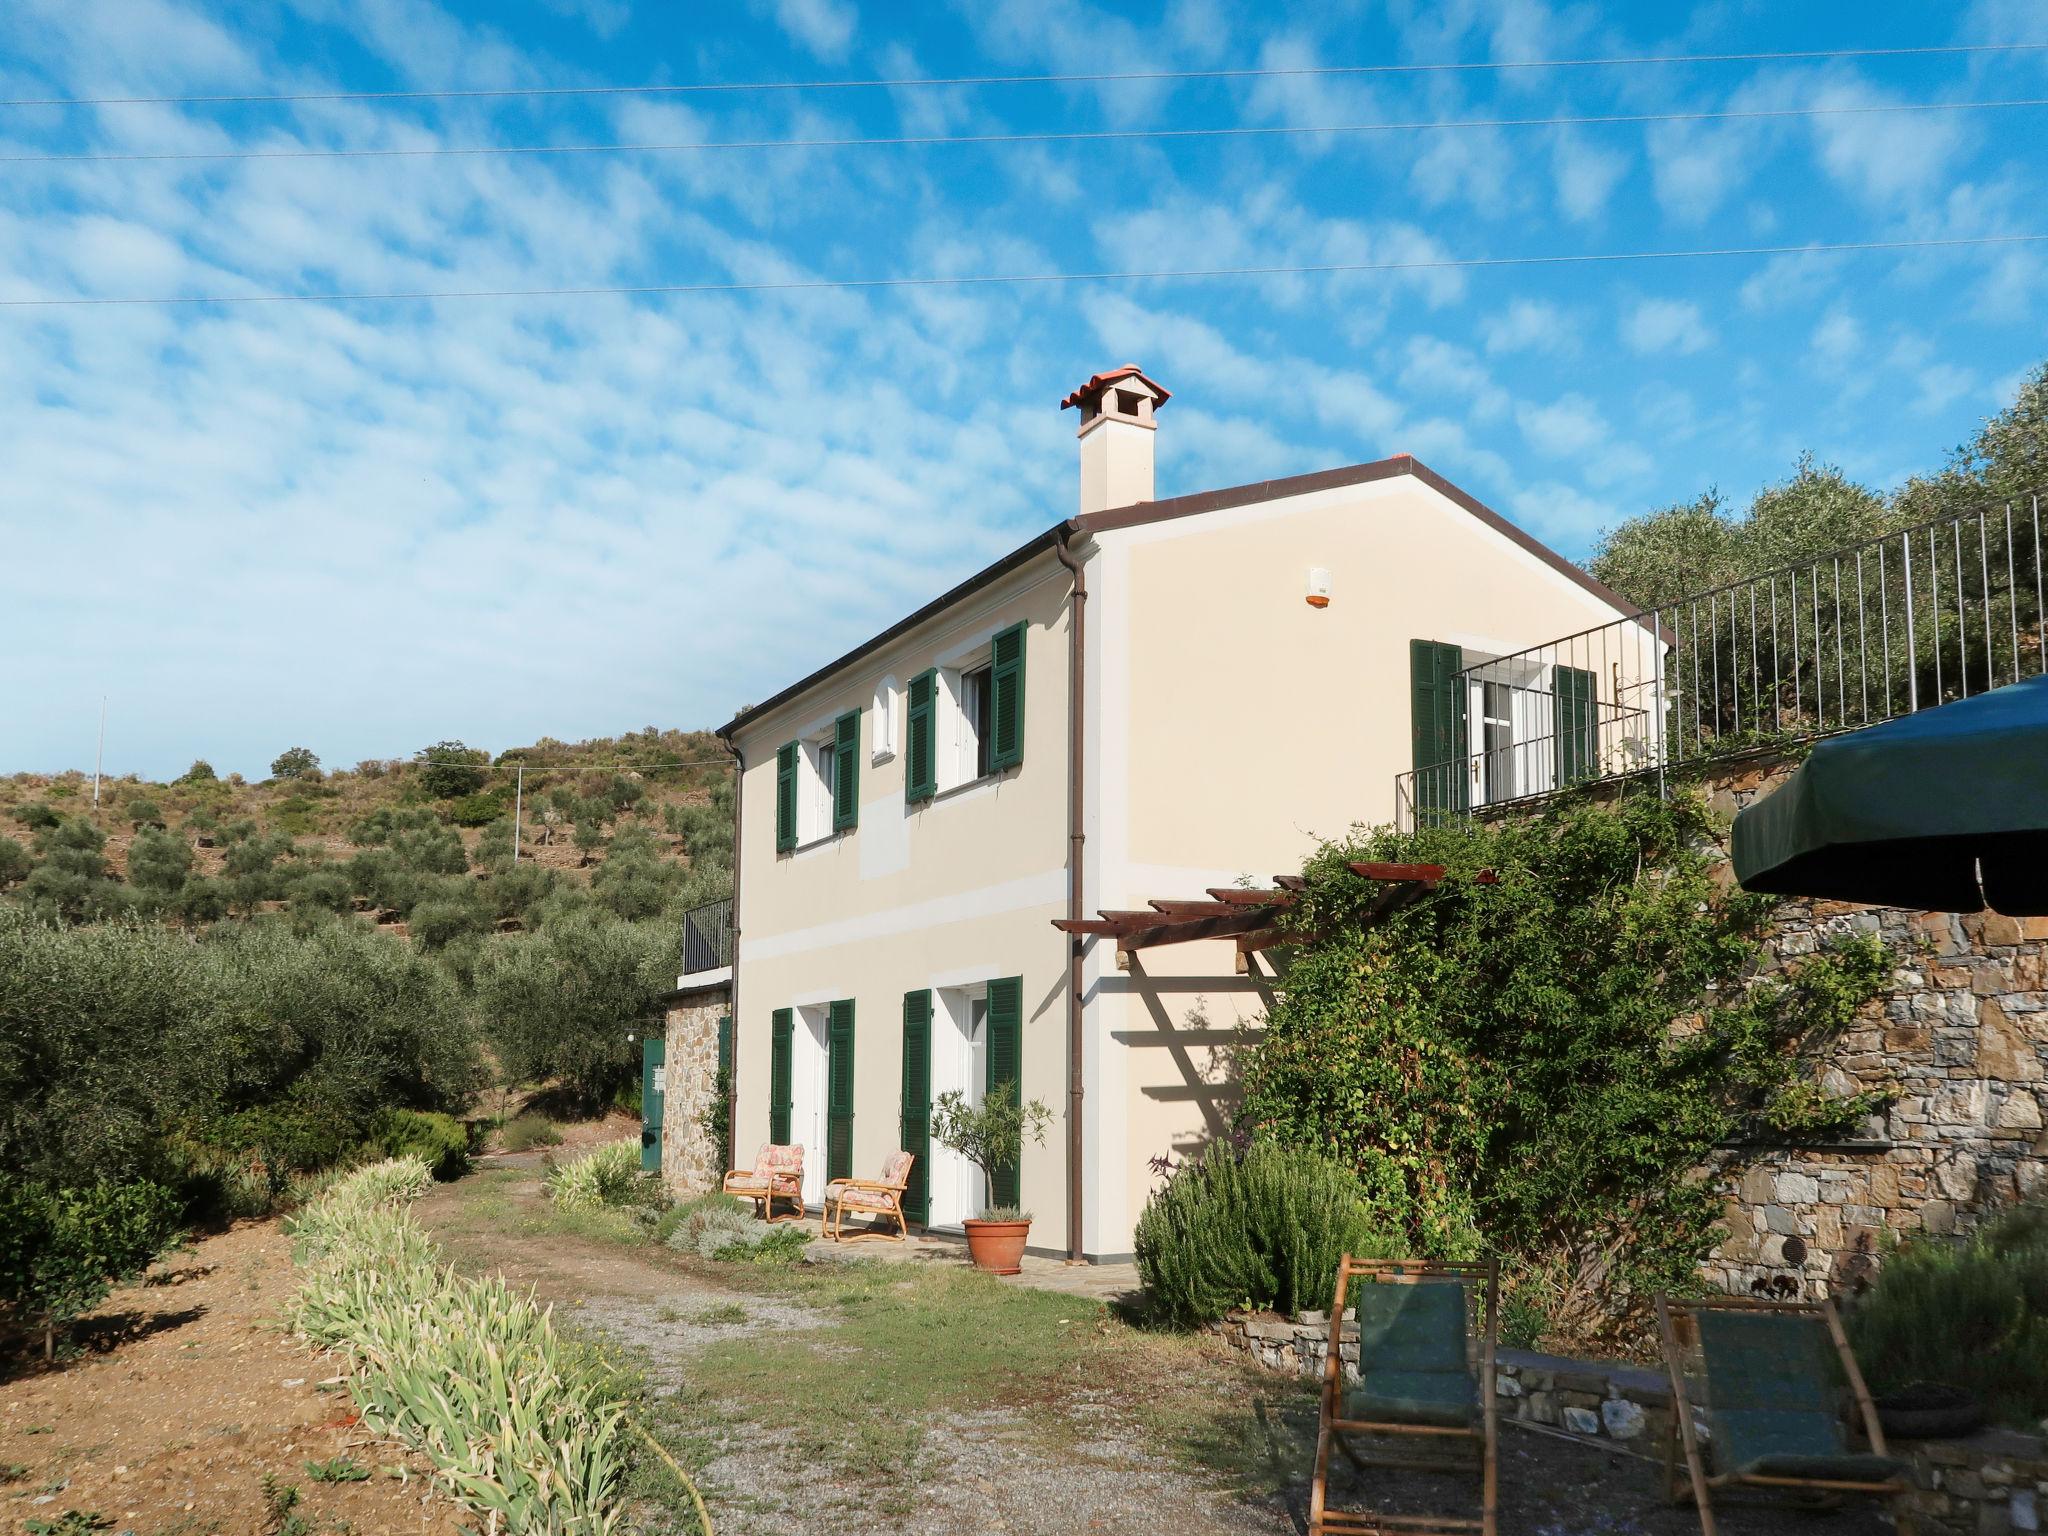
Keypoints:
(1543, 1067)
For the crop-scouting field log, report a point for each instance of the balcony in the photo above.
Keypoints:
(1910, 621)
(707, 938)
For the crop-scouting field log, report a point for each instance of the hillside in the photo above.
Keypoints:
(385, 837)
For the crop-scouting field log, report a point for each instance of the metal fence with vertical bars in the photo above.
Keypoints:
(1908, 621)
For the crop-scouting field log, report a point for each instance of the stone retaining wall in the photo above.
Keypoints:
(1990, 1484)
(690, 1162)
(1961, 1036)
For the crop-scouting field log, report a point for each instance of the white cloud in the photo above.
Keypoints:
(1529, 325)
(1586, 175)
(1562, 514)
(1657, 326)
(1837, 339)
(822, 27)
(1436, 366)
(1884, 157)
(1567, 427)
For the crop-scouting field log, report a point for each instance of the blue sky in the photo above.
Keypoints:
(365, 527)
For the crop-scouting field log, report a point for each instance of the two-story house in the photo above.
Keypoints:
(1147, 700)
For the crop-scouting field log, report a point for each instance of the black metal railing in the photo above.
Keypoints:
(707, 937)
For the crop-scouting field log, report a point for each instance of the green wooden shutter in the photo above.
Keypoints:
(921, 768)
(846, 771)
(653, 1083)
(785, 797)
(839, 1090)
(1437, 714)
(1573, 702)
(917, 1102)
(724, 1090)
(1006, 691)
(1005, 1058)
(780, 1042)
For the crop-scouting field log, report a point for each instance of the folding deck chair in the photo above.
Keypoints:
(1771, 1404)
(1417, 1376)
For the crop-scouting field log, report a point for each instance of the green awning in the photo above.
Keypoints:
(1942, 811)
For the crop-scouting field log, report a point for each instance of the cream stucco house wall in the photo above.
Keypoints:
(1149, 699)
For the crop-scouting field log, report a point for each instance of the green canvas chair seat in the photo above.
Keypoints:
(1771, 1401)
(1411, 1356)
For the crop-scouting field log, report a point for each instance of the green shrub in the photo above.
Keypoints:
(478, 810)
(1263, 1227)
(158, 863)
(522, 1133)
(440, 1141)
(608, 1176)
(61, 1251)
(144, 812)
(15, 863)
(1498, 1063)
(559, 1004)
(454, 910)
(295, 763)
(201, 772)
(1970, 1313)
(523, 1427)
(450, 770)
(201, 900)
(37, 815)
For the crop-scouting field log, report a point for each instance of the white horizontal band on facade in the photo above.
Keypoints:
(1048, 888)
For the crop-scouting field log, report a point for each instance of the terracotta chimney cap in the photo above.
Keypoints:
(1097, 383)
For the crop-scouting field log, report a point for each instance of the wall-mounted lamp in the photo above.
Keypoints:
(1318, 587)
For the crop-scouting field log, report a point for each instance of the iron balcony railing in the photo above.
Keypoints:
(1914, 619)
(707, 937)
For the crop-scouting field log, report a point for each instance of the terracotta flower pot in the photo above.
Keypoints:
(997, 1246)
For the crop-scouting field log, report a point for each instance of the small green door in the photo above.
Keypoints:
(725, 1090)
(839, 1091)
(917, 1102)
(653, 1089)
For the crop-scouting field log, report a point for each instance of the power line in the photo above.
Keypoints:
(1097, 78)
(1072, 135)
(792, 285)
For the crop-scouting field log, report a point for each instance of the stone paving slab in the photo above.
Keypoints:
(1099, 1282)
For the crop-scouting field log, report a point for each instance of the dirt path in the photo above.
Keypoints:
(1097, 1469)
(189, 1395)
(984, 1471)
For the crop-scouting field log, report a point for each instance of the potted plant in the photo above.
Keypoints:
(991, 1135)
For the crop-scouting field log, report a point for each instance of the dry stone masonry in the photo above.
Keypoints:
(690, 1163)
(1961, 1037)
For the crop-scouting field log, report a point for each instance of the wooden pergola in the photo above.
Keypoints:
(1249, 916)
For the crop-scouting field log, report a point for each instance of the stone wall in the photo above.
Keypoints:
(690, 1160)
(1962, 1037)
(1990, 1484)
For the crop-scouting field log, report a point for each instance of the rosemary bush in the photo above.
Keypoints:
(1262, 1227)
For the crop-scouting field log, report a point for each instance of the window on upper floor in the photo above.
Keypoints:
(965, 721)
(817, 785)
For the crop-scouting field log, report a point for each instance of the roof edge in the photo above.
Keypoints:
(1038, 544)
(1137, 514)
(1140, 513)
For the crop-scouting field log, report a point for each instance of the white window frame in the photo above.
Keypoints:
(814, 786)
(953, 1183)
(958, 731)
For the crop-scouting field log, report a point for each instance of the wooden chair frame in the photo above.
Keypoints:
(1332, 1426)
(835, 1209)
(764, 1200)
(1685, 1439)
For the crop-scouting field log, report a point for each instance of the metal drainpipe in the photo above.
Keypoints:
(1077, 657)
(732, 987)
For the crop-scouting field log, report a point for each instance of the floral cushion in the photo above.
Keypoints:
(757, 1183)
(896, 1168)
(778, 1168)
(861, 1199)
(783, 1160)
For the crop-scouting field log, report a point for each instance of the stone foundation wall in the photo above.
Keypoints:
(690, 1160)
(1962, 1036)
(1987, 1485)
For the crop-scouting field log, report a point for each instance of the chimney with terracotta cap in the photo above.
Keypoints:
(1118, 417)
